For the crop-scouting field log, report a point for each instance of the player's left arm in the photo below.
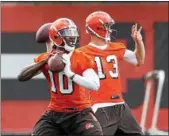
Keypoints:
(138, 56)
(89, 78)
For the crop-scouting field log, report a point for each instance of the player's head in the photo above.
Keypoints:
(64, 34)
(99, 24)
(42, 36)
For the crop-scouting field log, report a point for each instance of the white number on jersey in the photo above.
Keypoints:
(61, 83)
(109, 59)
(99, 68)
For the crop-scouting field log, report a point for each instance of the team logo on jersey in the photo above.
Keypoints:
(89, 125)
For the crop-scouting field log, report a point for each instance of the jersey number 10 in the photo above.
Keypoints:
(64, 91)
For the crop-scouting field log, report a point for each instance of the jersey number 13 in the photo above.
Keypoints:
(109, 59)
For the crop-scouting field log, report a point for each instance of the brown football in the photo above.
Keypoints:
(42, 34)
(55, 62)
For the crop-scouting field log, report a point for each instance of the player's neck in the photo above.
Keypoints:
(98, 41)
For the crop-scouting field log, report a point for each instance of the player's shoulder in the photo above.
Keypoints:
(41, 57)
(81, 55)
(83, 48)
(79, 52)
(117, 45)
(83, 60)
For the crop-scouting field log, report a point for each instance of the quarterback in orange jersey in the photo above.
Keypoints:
(110, 109)
(69, 111)
(66, 94)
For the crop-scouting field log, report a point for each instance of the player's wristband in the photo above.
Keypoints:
(72, 76)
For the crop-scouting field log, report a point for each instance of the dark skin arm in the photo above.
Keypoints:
(30, 71)
(33, 70)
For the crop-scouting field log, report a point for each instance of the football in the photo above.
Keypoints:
(42, 34)
(55, 62)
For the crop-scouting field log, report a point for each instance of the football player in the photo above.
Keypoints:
(70, 104)
(109, 106)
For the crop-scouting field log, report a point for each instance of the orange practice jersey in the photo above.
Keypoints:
(108, 71)
(66, 95)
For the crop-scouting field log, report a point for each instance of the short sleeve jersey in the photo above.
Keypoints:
(66, 95)
(108, 71)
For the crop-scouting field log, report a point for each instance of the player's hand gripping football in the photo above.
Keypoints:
(67, 70)
(136, 33)
(52, 53)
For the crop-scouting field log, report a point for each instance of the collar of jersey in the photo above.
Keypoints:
(102, 47)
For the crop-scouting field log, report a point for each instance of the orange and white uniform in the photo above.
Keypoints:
(66, 95)
(108, 71)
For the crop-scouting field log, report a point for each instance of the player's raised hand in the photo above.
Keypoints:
(136, 33)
